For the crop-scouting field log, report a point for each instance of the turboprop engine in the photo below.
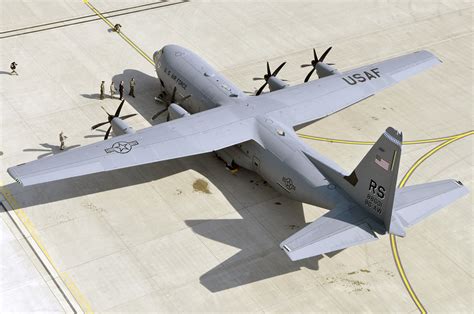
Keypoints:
(270, 78)
(318, 65)
(116, 123)
(176, 111)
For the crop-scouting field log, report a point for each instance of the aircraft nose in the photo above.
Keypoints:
(157, 54)
(173, 51)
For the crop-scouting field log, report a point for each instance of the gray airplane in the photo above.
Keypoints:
(208, 113)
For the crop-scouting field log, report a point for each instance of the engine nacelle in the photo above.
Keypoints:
(275, 83)
(176, 111)
(323, 70)
(120, 127)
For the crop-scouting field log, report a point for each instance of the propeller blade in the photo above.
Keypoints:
(278, 69)
(268, 69)
(95, 126)
(168, 117)
(306, 65)
(258, 79)
(173, 95)
(260, 90)
(325, 54)
(107, 133)
(161, 101)
(105, 110)
(117, 112)
(158, 113)
(128, 116)
(185, 97)
(309, 75)
(315, 55)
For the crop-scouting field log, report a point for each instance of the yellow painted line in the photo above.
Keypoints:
(431, 152)
(341, 141)
(446, 141)
(393, 241)
(121, 34)
(401, 271)
(80, 298)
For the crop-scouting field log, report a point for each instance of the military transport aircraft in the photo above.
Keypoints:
(208, 113)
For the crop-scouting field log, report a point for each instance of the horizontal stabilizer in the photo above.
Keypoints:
(342, 227)
(414, 203)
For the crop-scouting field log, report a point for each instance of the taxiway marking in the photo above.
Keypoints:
(393, 242)
(341, 141)
(20, 213)
(120, 33)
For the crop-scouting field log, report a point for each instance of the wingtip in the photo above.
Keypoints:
(11, 172)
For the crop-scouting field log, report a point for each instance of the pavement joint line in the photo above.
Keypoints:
(42, 258)
(120, 33)
(79, 18)
(24, 225)
(83, 19)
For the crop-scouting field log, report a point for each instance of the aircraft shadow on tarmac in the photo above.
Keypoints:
(146, 89)
(257, 259)
(49, 149)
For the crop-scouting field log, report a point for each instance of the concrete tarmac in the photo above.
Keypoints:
(187, 235)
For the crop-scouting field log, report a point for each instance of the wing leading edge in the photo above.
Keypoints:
(317, 99)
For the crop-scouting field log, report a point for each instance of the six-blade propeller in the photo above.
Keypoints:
(111, 117)
(267, 76)
(314, 62)
(167, 104)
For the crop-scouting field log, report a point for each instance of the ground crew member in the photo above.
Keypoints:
(102, 90)
(13, 68)
(112, 90)
(117, 28)
(132, 88)
(62, 139)
(121, 87)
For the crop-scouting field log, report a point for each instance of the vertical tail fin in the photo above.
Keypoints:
(372, 184)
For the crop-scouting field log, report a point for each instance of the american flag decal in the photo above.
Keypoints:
(382, 162)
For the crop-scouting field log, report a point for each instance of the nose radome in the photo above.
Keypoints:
(156, 55)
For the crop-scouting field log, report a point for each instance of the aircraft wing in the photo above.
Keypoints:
(344, 226)
(317, 99)
(200, 133)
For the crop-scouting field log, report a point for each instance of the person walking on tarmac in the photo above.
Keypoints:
(132, 88)
(102, 90)
(112, 90)
(121, 87)
(62, 139)
(13, 68)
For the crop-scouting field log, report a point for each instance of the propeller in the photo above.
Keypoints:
(316, 61)
(267, 76)
(111, 117)
(167, 104)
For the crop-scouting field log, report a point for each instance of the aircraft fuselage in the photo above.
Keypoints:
(280, 161)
